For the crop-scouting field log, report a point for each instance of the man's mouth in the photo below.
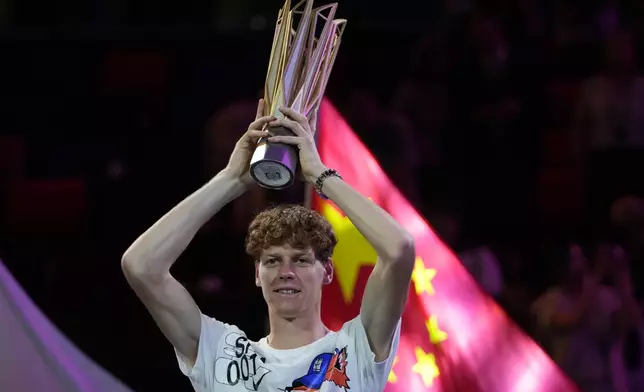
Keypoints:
(286, 291)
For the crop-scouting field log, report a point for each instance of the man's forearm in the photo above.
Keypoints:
(390, 240)
(154, 252)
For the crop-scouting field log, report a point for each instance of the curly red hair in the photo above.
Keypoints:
(293, 225)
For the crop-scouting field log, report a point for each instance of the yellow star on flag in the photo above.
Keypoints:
(423, 277)
(392, 376)
(352, 251)
(426, 367)
(435, 334)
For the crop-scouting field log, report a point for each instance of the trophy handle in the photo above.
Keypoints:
(274, 165)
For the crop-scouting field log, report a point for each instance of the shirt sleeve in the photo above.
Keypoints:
(209, 337)
(374, 373)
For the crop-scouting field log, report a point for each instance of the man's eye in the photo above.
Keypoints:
(303, 261)
(271, 261)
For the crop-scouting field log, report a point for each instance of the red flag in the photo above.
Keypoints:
(454, 337)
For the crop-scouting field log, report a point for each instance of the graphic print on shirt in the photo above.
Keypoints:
(240, 363)
(326, 367)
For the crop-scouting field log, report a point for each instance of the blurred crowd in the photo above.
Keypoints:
(515, 126)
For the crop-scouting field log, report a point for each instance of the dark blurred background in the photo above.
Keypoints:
(513, 125)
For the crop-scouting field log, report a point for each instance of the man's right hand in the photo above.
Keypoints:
(239, 162)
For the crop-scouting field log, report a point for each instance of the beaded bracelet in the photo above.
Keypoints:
(326, 174)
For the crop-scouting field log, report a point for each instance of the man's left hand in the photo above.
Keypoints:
(303, 140)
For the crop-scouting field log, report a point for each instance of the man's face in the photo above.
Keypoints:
(291, 279)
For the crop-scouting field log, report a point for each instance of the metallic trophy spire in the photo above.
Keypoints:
(305, 46)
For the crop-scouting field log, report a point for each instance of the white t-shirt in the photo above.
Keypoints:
(341, 361)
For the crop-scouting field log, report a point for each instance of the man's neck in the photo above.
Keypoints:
(288, 334)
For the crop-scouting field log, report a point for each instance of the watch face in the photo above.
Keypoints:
(272, 174)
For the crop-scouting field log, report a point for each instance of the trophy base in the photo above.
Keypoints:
(272, 174)
(273, 165)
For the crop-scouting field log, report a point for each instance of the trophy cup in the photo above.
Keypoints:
(301, 60)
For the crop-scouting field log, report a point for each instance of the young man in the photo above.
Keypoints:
(292, 248)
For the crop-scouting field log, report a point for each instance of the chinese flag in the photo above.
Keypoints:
(454, 337)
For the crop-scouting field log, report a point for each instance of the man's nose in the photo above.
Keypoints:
(286, 271)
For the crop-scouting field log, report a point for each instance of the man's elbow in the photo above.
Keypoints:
(136, 269)
(404, 251)
(130, 264)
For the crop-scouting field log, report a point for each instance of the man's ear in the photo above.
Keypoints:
(257, 282)
(328, 272)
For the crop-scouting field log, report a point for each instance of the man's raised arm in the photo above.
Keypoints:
(387, 289)
(147, 262)
(385, 295)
